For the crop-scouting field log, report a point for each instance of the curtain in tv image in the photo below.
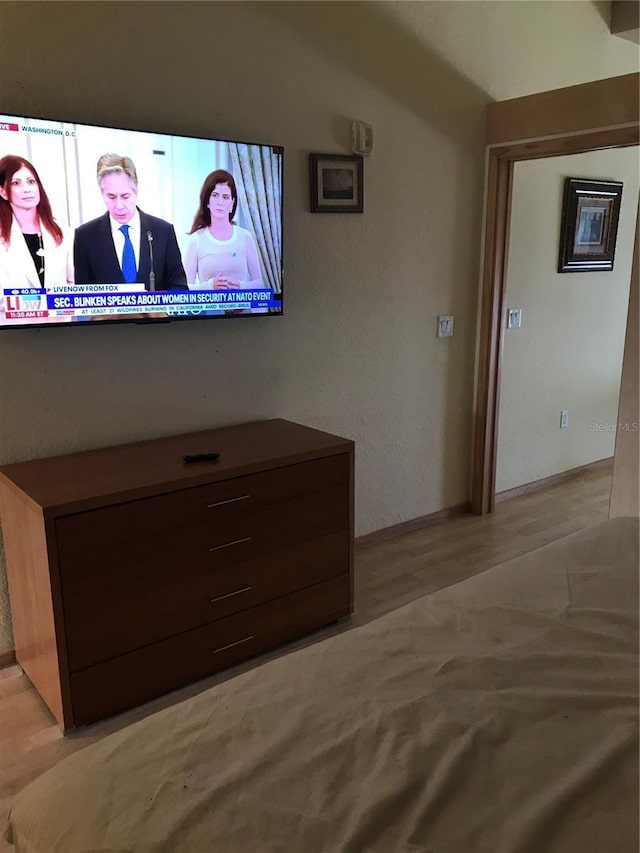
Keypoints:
(259, 183)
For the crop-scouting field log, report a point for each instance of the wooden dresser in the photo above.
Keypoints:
(131, 572)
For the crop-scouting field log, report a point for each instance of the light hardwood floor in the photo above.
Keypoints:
(388, 575)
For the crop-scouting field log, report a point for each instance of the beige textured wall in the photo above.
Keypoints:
(355, 352)
(568, 353)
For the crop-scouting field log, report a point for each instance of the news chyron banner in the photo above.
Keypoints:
(119, 300)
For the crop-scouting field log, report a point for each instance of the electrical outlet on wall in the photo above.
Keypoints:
(564, 418)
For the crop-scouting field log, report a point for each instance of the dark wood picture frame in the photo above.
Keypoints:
(337, 183)
(590, 213)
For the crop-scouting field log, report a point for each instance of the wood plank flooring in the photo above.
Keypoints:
(388, 575)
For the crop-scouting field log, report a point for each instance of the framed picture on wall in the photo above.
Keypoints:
(589, 228)
(336, 183)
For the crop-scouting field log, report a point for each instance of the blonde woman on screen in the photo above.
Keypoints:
(220, 254)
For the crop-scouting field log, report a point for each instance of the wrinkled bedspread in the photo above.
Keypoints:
(495, 716)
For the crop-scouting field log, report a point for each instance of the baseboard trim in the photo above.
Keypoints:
(410, 526)
(7, 658)
(554, 480)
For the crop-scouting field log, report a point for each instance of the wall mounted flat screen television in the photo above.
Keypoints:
(101, 223)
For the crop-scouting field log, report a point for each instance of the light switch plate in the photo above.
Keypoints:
(445, 326)
(514, 318)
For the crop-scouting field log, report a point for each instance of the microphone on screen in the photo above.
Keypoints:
(152, 275)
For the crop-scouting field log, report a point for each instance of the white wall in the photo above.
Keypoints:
(568, 353)
(355, 352)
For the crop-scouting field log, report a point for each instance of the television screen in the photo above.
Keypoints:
(120, 225)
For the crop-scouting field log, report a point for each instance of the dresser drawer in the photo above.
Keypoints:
(91, 532)
(117, 684)
(214, 546)
(218, 544)
(104, 621)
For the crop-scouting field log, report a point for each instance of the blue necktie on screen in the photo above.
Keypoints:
(129, 271)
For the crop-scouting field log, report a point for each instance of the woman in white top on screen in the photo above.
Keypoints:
(220, 254)
(33, 250)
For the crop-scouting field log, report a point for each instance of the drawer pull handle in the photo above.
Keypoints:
(229, 501)
(231, 645)
(231, 594)
(229, 544)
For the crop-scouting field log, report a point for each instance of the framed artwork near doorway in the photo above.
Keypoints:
(590, 213)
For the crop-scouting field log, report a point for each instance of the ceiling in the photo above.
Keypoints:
(625, 20)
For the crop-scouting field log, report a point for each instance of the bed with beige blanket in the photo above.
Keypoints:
(497, 715)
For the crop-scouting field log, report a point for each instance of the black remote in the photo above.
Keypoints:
(201, 457)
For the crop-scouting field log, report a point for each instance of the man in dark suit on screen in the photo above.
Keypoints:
(126, 246)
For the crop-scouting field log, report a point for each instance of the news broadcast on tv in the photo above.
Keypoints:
(121, 225)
